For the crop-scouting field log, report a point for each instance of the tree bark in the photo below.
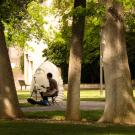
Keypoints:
(119, 106)
(8, 98)
(74, 72)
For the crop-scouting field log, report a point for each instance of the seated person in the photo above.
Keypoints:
(51, 90)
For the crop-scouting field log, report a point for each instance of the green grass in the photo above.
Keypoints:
(23, 94)
(89, 95)
(92, 115)
(86, 95)
(52, 122)
(44, 128)
(25, 105)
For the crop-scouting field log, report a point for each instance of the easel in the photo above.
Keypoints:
(34, 89)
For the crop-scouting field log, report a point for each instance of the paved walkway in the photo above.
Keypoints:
(84, 105)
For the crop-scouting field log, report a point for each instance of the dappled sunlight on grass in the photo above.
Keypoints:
(52, 123)
(52, 115)
(85, 95)
(56, 117)
(91, 115)
(23, 94)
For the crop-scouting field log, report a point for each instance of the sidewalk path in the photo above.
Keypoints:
(84, 105)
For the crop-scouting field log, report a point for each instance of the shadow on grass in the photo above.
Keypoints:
(46, 126)
(92, 115)
(43, 128)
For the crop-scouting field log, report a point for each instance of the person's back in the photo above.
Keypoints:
(53, 84)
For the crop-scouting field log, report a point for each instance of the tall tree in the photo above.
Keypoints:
(9, 10)
(119, 107)
(74, 73)
(8, 97)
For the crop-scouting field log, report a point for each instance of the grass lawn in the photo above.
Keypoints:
(60, 127)
(86, 95)
(52, 122)
(92, 115)
(23, 94)
(43, 128)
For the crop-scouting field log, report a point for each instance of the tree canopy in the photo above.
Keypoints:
(35, 22)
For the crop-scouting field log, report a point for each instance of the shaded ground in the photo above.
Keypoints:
(44, 128)
(84, 105)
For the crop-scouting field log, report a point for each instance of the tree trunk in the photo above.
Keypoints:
(119, 107)
(9, 106)
(74, 72)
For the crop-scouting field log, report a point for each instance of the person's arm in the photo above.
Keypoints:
(48, 89)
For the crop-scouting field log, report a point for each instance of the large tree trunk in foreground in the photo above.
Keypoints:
(119, 107)
(9, 106)
(74, 73)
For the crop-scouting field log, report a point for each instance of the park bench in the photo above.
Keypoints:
(22, 83)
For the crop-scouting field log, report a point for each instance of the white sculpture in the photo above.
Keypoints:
(40, 78)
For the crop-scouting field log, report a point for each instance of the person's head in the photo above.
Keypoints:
(49, 75)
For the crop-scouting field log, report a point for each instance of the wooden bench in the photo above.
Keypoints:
(22, 83)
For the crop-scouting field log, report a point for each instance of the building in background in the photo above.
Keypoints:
(33, 58)
(14, 54)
